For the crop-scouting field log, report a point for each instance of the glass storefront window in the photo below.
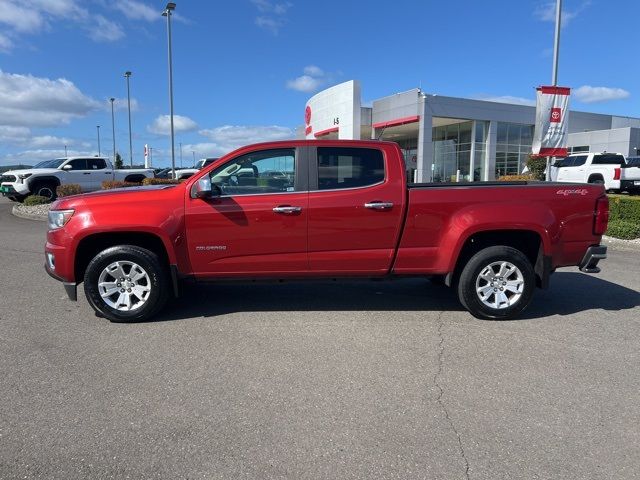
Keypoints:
(513, 148)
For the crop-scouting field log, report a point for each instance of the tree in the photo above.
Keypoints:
(119, 163)
(537, 166)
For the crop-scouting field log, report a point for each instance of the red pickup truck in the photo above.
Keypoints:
(322, 209)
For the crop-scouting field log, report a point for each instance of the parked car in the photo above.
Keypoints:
(45, 177)
(609, 169)
(184, 173)
(332, 209)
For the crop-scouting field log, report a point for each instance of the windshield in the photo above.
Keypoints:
(50, 163)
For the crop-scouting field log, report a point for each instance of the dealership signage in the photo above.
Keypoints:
(551, 129)
(334, 110)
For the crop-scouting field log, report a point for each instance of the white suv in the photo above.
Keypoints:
(609, 169)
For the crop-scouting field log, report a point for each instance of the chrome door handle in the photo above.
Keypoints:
(287, 210)
(378, 205)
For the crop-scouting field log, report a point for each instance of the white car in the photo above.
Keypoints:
(610, 169)
(45, 177)
(185, 173)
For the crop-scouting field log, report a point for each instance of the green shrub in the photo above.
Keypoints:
(68, 189)
(32, 200)
(537, 166)
(624, 207)
(515, 178)
(111, 184)
(623, 229)
(160, 181)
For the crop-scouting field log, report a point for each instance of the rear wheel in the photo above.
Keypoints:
(497, 283)
(126, 283)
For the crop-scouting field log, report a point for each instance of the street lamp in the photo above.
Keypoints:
(180, 154)
(193, 152)
(167, 13)
(113, 130)
(98, 127)
(127, 75)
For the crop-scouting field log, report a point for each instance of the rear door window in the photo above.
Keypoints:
(608, 159)
(343, 167)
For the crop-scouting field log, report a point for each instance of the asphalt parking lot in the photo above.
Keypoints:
(318, 380)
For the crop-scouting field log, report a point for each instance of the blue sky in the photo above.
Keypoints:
(243, 69)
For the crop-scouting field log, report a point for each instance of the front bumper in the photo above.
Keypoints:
(594, 254)
(8, 190)
(61, 268)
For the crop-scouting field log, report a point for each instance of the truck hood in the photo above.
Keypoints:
(113, 196)
(32, 171)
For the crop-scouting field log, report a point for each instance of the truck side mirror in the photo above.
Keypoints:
(203, 188)
(67, 167)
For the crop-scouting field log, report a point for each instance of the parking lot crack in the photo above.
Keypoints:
(439, 399)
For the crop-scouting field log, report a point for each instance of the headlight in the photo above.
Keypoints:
(22, 177)
(59, 218)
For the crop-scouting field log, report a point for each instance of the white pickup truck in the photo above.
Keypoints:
(42, 179)
(610, 169)
(184, 173)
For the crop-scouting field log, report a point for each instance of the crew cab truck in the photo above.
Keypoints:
(322, 209)
(45, 177)
(609, 169)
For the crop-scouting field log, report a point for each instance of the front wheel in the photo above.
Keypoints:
(126, 283)
(497, 283)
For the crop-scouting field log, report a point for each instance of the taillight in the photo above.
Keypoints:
(601, 216)
(616, 173)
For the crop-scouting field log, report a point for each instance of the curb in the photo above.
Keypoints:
(28, 216)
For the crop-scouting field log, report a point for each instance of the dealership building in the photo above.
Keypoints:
(456, 139)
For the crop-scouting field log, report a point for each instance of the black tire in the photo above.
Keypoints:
(158, 283)
(597, 180)
(477, 265)
(17, 198)
(44, 189)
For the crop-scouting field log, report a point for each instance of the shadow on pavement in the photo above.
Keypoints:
(570, 292)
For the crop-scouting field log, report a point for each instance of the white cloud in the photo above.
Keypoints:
(135, 10)
(305, 83)
(5, 43)
(313, 71)
(105, 30)
(162, 125)
(506, 99)
(31, 17)
(589, 94)
(314, 78)
(49, 141)
(546, 12)
(19, 18)
(273, 15)
(31, 101)
(121, 104)
(31, 157)
(229, 137)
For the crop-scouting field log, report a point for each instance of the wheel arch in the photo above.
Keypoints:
(44, 179)
(89, 246)
(529, 242)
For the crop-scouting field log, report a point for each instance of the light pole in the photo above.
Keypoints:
(167, 13)
(127, 75)
(98, 128)
(65, 150)
(193, 152)
(113, 130)
(180, 154)
(554, 72)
